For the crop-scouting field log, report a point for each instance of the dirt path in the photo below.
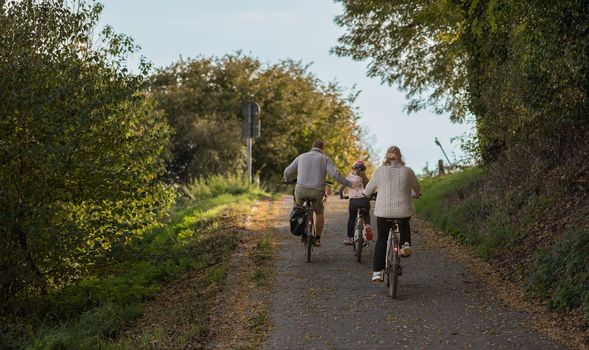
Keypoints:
(332, 304)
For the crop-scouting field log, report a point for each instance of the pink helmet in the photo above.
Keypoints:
(359, 164)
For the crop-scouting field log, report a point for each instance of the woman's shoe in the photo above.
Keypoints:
(406, 250)
(377, 276)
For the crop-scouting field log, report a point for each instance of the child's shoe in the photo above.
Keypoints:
(368, 233)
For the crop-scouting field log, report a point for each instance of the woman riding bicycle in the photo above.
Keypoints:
(396, 185)
(357, 201)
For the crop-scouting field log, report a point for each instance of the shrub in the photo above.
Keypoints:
(561, 273)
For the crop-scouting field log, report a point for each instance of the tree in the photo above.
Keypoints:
(80, 145)
(519, 67)
(418, 45)
(203, 99)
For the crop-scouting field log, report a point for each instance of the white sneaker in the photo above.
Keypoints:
(406, 250)
(377, 276)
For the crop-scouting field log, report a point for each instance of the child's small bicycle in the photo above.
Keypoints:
(359, 240)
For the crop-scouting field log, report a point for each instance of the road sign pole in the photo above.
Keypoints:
(250, 129)
(249, 161)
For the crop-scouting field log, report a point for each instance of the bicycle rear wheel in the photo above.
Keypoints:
(310, 238)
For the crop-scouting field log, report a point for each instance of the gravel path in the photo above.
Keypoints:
(332, 304)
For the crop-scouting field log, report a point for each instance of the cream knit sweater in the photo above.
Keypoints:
(394, 184)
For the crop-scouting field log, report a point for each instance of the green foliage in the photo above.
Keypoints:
(519, 67)
(561, 273)
(214, 185)
(418, 44)
(80, 146)
(94, 311)
(203, 99)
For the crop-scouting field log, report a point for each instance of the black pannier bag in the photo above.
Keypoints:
(297, 220)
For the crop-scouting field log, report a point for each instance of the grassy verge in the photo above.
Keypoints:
(94, 311)
(439, 205)
(511, 226)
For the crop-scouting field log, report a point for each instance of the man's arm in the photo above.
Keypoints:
(341, 191)
(291, 170)
(331, 170)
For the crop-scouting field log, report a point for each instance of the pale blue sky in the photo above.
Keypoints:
(272, 30)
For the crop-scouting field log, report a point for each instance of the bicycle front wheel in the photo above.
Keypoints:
(393, 281)
(358, 243)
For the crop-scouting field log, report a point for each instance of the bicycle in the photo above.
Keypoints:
(310, 234)
(393, 267)
(359, 240)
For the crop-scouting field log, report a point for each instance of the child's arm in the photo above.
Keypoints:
(341, 192)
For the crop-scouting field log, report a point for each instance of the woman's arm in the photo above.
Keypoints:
(372, 185)
(414, 183)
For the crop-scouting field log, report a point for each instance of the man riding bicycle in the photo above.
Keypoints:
(311, 169)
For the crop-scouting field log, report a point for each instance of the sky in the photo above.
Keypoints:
(274, 30)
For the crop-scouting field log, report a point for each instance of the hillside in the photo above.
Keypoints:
(532, 227)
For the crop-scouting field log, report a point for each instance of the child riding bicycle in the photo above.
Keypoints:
(357, 201)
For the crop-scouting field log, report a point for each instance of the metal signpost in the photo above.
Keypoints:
(250, 129)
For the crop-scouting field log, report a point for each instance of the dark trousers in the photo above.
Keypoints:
(356, 203)
(380, 250)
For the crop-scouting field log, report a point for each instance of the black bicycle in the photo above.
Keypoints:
(309, 236)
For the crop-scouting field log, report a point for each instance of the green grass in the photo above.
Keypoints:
(262, 256)
(438, 204)
(94, 311)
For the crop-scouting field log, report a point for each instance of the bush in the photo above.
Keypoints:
(234, 184)
(81, 146)
(561, 273)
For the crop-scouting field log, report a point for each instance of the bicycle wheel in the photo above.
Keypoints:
(394, 274)
(310, 239)
(358, 242)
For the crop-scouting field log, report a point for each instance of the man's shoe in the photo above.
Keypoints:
(317, 241)
(369, 233)
(377, 277)
(406, 250)
(348, 241)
